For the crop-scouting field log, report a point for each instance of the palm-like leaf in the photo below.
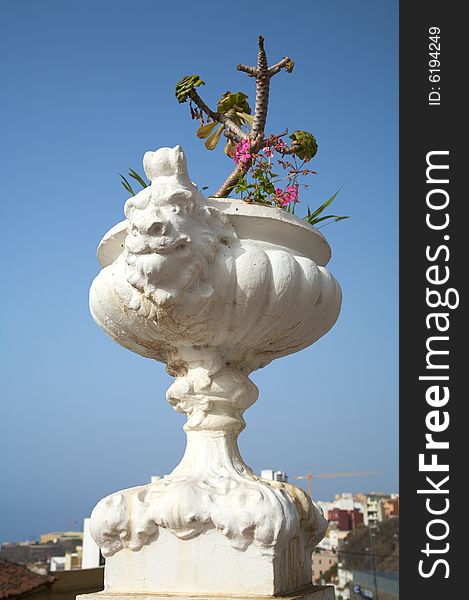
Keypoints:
(213, 140)
(205, 130)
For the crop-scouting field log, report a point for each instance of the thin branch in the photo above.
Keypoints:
(251, 71)
(237, 132)
(274, 69)
(287, 150)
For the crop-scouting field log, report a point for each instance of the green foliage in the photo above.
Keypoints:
(137, 177)
(262, 188)
(234, 106)
(237, 102)
(366, 547)
(313, 218)
(330, 574)
(304, 144)
(184, 87)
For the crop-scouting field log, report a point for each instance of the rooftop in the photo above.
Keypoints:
(16, 580)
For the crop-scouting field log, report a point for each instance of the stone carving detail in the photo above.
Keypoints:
(212, 487)
(173, 236)
(243, 508)
(187, 289)
(192, 286)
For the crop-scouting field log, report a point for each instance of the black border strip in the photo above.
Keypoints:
(432, 123)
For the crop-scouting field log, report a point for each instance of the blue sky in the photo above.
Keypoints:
(88, 87)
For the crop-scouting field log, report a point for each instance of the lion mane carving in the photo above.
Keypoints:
(172, 235)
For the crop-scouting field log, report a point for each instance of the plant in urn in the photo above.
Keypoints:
(215, 289)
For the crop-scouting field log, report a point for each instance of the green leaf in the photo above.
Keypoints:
(319, 210)
(184, 87)
(314, 221)
(242, 185)
(304, 144)
(214, 138)
(137, 177)
(127, 185)
(245, 117)
(229, 100)
(329, 222)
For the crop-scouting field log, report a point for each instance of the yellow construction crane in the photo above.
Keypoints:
(310, 476)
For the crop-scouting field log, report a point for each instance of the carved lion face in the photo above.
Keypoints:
(172, 239)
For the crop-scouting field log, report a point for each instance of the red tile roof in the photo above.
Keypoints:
(16, 580)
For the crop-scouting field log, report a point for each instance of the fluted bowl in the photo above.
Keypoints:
(188, 281)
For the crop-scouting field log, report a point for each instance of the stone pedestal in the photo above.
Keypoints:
(214, 290)
(311, 592)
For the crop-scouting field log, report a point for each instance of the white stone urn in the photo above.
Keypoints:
(214, 289)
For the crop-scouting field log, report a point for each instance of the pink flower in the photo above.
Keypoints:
(281, 197)
(242, 152)
(292, 191)
(268, 151)
(284, 198)
(280, 144)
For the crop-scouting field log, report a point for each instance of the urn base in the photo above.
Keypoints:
(311, 592)
(207, 565)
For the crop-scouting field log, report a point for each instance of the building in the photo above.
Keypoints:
(322, 561)
(37, 556)
(342, 585)
(58, 536)
(345, 501)
(91, 553)
(391, 506)
(56, 552)
(346, 520)
(17, 581)
(332, 539)
(85, 556)
(57, 563)
(372, 504)
(274, 475)
(344, 510)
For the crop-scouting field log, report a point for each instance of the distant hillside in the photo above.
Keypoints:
(356, 550)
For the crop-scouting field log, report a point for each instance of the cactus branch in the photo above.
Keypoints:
(237, 132)
(262, 91)
(230, 136)
(240, 171)
(282, 64)
(263, 74)
(251, 71)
